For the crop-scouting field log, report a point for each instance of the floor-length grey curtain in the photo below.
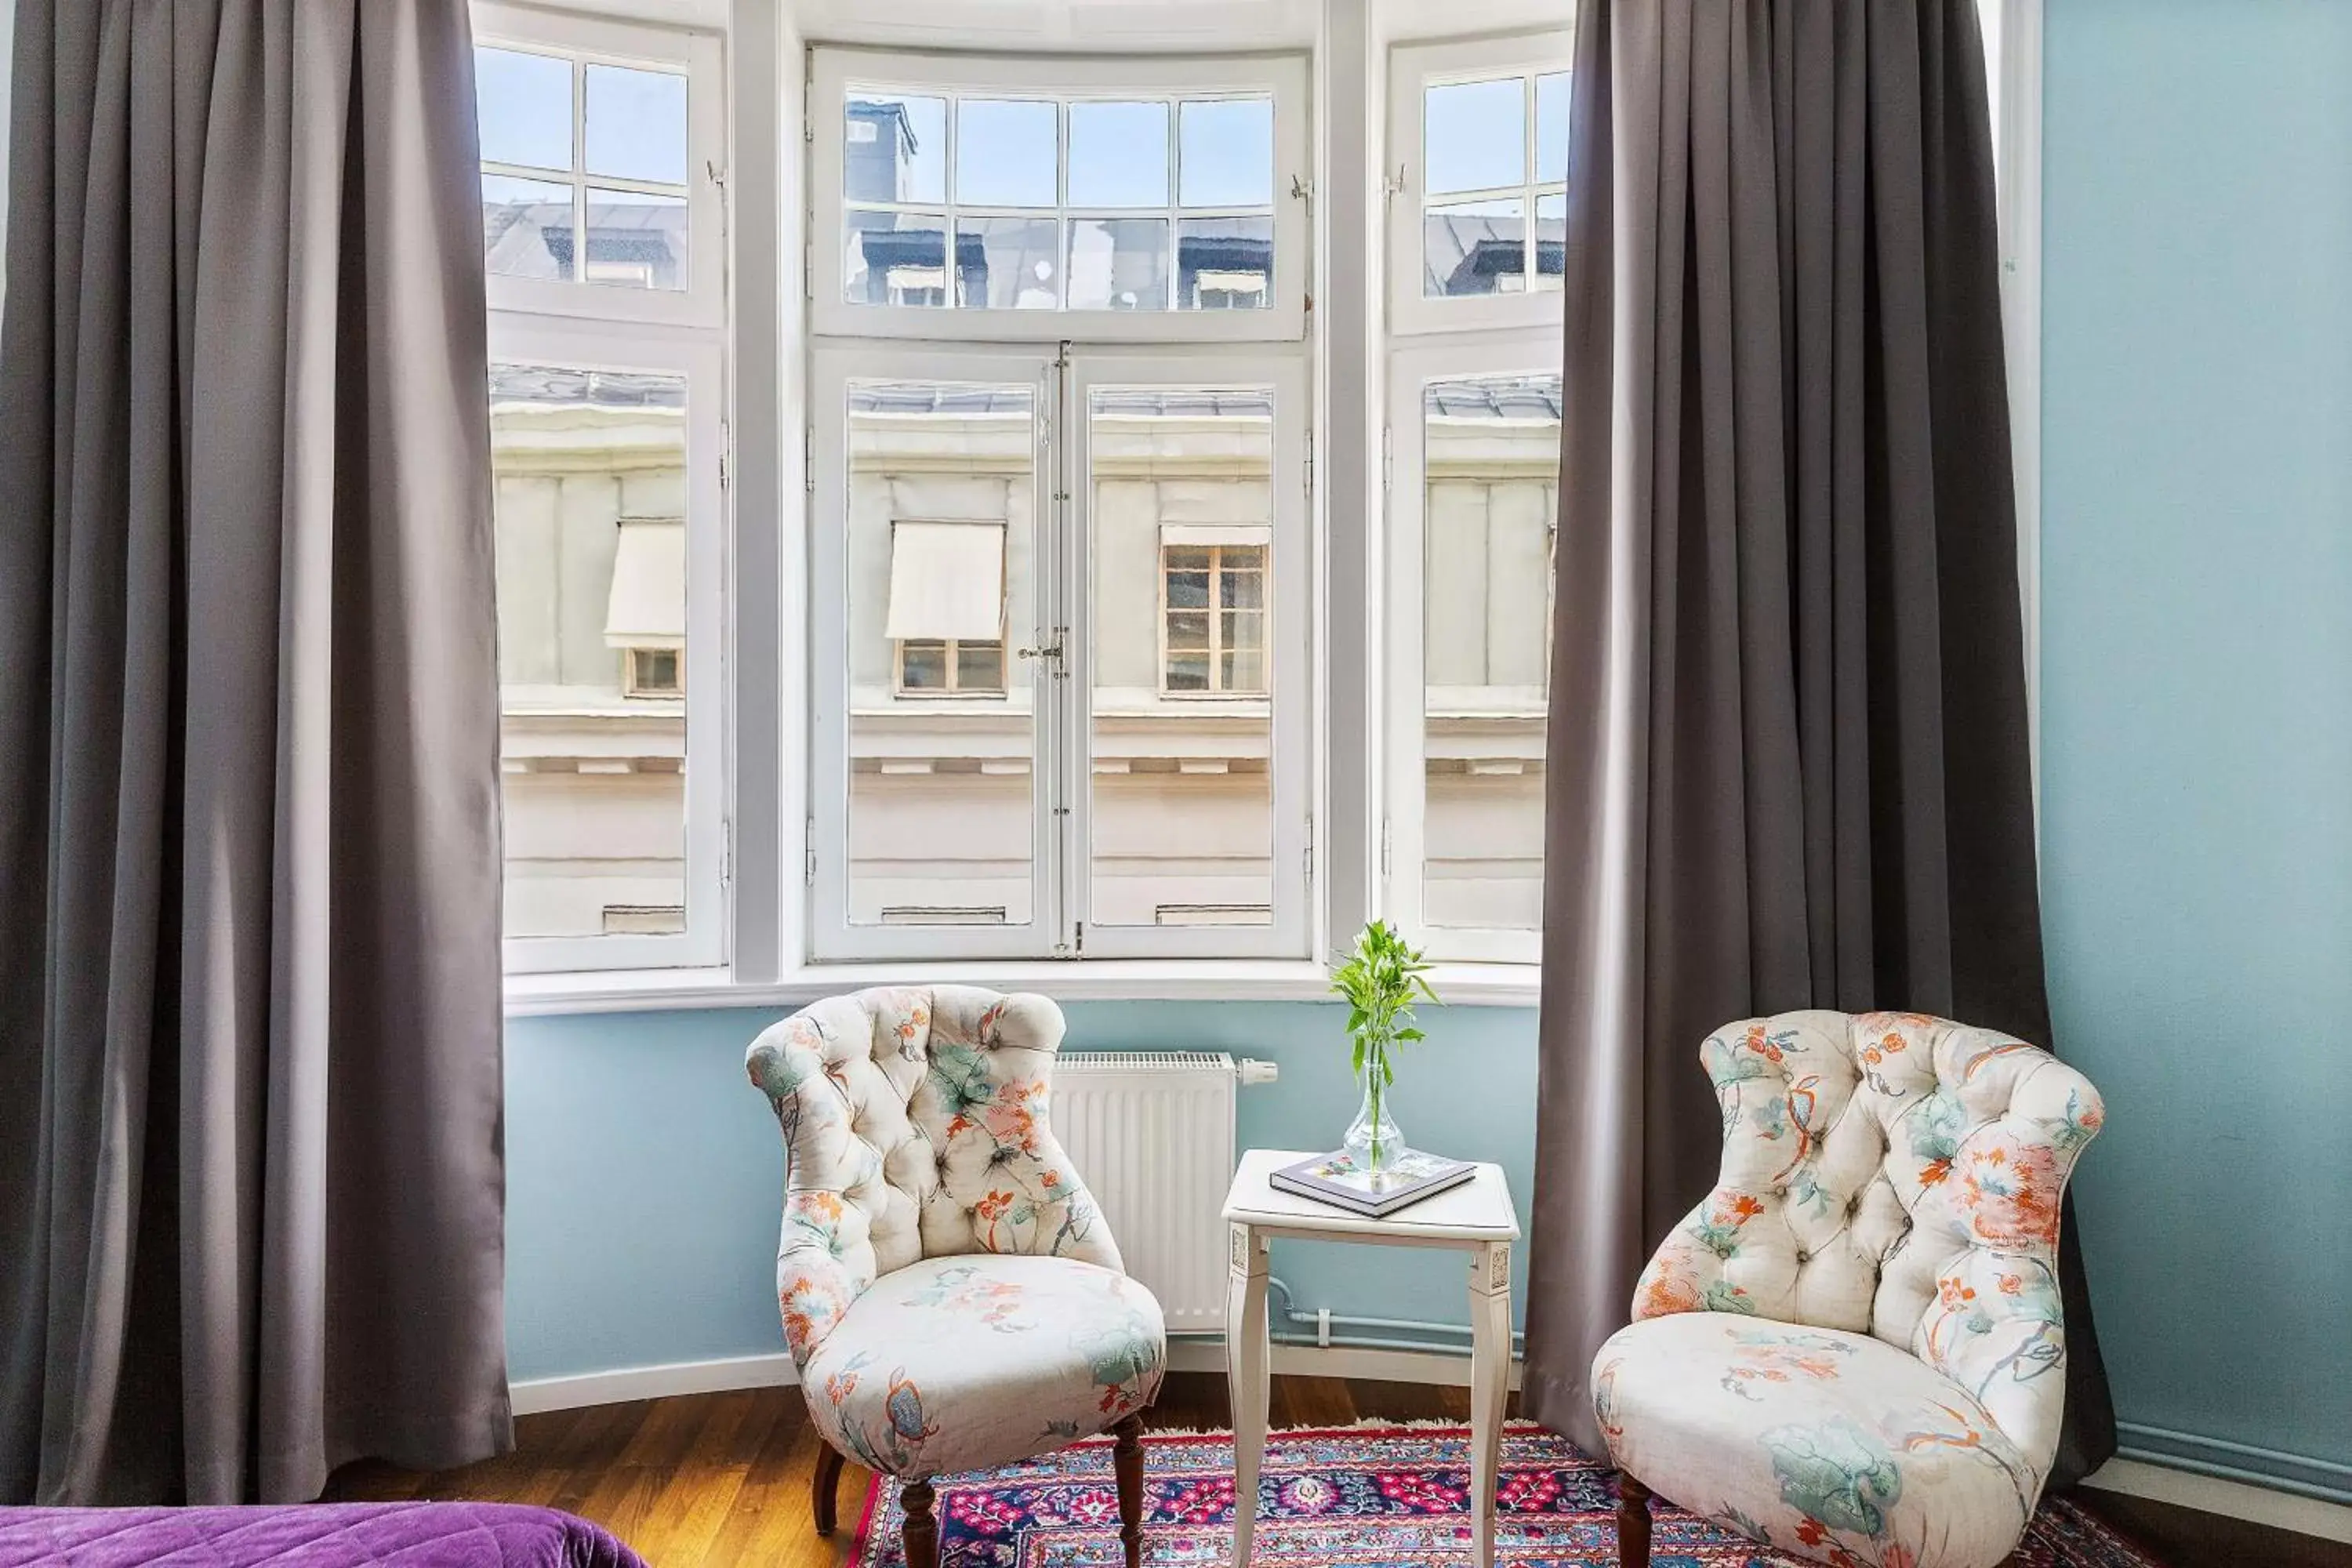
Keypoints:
(251, 1173)
(1788, 753)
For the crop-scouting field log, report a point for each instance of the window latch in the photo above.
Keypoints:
(1052, 650)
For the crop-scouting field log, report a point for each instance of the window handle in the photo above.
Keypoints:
(1052, 650)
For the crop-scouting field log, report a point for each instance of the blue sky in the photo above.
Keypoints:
(635, 120)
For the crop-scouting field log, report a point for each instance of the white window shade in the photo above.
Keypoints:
(947, 580)
(647, 606)
(1197, 534)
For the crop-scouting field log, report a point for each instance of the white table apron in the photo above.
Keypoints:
(1476, 1218)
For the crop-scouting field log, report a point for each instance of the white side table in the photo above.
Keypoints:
(1476, 1218)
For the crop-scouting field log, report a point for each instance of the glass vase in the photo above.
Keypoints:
(1373, 1143)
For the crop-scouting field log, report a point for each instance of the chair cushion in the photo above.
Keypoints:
(1832, 1446)
(972, 1361)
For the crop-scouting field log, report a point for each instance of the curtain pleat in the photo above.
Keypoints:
(252, 1174)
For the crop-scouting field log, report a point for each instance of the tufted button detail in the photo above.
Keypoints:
(1803, 1255)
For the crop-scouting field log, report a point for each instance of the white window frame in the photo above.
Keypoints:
(1411, 368)
(1413, 69)
(699, 361)
(830, 934)
(1061, 797)
(1290, 675)
(595, 40)
(834, 71)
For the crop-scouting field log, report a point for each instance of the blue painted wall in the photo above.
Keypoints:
(2197, 703)
(643, 1171)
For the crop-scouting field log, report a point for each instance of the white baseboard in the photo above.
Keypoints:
(2221, 1494)
(534, 1394)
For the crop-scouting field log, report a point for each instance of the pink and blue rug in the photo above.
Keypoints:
(1361, 1497)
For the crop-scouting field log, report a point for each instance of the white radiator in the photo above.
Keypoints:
(1152, 1133)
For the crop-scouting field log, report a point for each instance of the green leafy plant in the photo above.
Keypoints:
(1380, 980)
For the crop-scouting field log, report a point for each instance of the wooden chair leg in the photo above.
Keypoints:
(921, 1536)
(1633, 1522)
(1127, 1462)
(820, 1493)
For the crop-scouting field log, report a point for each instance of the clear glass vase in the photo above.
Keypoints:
(1373, 1142)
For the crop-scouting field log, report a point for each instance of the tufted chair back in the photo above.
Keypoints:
(915, 1126)
(1894, 1175)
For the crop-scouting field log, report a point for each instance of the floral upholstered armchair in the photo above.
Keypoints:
(949, 1292)
(1853, 1349)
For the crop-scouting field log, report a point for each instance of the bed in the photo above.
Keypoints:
(310, 1535)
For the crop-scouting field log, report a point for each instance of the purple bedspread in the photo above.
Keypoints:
(314, 1535)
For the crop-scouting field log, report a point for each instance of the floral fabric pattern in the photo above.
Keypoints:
(1833, 1446)
(960, 1363)
(920, 1167)
(1886, 1174)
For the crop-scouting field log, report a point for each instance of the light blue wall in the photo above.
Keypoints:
(2197, 703)
(643, 1171)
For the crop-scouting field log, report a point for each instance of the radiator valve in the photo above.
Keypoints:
(1252, 1072)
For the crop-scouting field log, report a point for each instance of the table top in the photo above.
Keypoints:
(1478, 1211)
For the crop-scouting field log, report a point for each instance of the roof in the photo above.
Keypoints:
(1465, 253)
(603, 388)
(1495, 397)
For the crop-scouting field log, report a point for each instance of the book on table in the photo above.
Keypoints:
(1340, 1181)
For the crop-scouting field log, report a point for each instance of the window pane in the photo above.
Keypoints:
(1224, 264)
(1119, 155)
(526, 228)
(637, 123)
(901, 258)
(1551, 241)
(1226, 159)
(1118, 264)
(940, 808)
(1474, 135)
(1008, 152)
(1474, 247)
(1551, 127)
(1180, 727)
(922, 666)
(1009, 263)
(590, 485)
(979, 667)
(635, 241)
(894, 147)
(1492, 461)
(523, 103)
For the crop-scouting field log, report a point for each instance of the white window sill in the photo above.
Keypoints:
(1129, 980)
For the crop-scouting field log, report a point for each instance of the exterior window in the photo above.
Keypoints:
(951, 667)
(605, 414)
(1093, 196)
(1478, 133)
(654, 672)
(1213, 606)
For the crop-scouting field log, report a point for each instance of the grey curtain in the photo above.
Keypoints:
(251, 1175)
(1788, 752)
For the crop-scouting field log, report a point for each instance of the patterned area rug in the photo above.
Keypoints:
(1364, 1497)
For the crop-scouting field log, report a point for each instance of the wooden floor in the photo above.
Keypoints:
(723, 1479)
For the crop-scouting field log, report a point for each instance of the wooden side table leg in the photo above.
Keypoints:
(1245, 1373)
(1490, 1382)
